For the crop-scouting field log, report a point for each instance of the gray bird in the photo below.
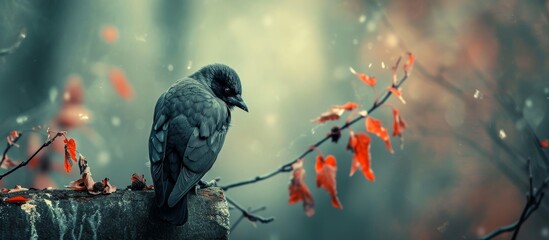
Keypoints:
(190, 122)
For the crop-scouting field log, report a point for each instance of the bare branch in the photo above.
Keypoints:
(248, 214)
(24, 163)
(288, 166)
(11, 49)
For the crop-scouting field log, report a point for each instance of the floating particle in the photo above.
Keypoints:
(355, 41)
(477, 93)
(21, 119)
(362, 18)
(528, 103)
(170, 67)
(383, 65)
(115, 121)
(53, 94)
(189, 65)
(370, 65)
(502, 134)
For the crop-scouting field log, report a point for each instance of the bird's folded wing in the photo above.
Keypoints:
(203, 146)
(157, 148)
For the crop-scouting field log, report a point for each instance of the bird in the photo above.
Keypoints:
(190, 122)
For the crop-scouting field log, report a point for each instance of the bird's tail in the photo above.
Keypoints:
(176, 215)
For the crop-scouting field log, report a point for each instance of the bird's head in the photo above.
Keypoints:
(224, 82)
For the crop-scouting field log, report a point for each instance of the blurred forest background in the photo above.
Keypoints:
(479, 90)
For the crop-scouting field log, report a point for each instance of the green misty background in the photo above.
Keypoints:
(483, 72)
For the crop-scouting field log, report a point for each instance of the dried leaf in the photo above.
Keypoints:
(544, 143)
(326, 177)
(109, 34)
(8, 163)
(330, 115)
(121, 83)
(70, 146)
(397, 93)
(370, 81)
(108, 187)
(374, 126)
(17, 200)
(359, 144)
(398, 123)
(409, 63)
(299, 190)
(349, 106)
(335, 112)
(17, 188)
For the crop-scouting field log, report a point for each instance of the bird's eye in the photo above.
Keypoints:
(227, 90)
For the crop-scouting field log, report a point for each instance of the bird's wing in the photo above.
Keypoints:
(157, 148)
(207, 119)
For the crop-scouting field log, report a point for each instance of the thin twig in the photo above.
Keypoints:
(533, 199)
(288, 166)
(10, 144)
(11, 49)
(235, 224)
(249, 214)
(24, 163)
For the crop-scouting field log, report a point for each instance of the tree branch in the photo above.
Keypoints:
(533, 200)
(288, 166)
(11, 49)
(24, 163)
(12, 140)
(248, 214)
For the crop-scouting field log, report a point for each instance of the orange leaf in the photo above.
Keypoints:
(349, 106)
(335, 112)
(325, 177)
(299, 190)
(330, 115)
(374, 126)
(8, 163)
(398, 123)
(544, 143)
(371, 81)
(109, 34)
(397, 93)
(121, 84)
(359, 144)
(17, 199)
(70, 147)
(409, 63)
(68, 163)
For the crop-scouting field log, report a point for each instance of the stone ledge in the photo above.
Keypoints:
(67, 214)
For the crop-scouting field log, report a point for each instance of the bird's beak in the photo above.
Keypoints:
(237, 101)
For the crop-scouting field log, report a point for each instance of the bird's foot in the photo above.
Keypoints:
(206, 184)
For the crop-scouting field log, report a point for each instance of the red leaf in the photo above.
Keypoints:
(70, 147)
(371, 81)
(68, 163)
(359, 144)
(398, 123)
(335, 112)
(409, 63)
(397, 93)
(330, 115)
(109, 34)
(299, 190)
(374, 126)
(325, 177)
(121, 84)
(17, 199)
(349, 106)
(544, 143)
(8, 163)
